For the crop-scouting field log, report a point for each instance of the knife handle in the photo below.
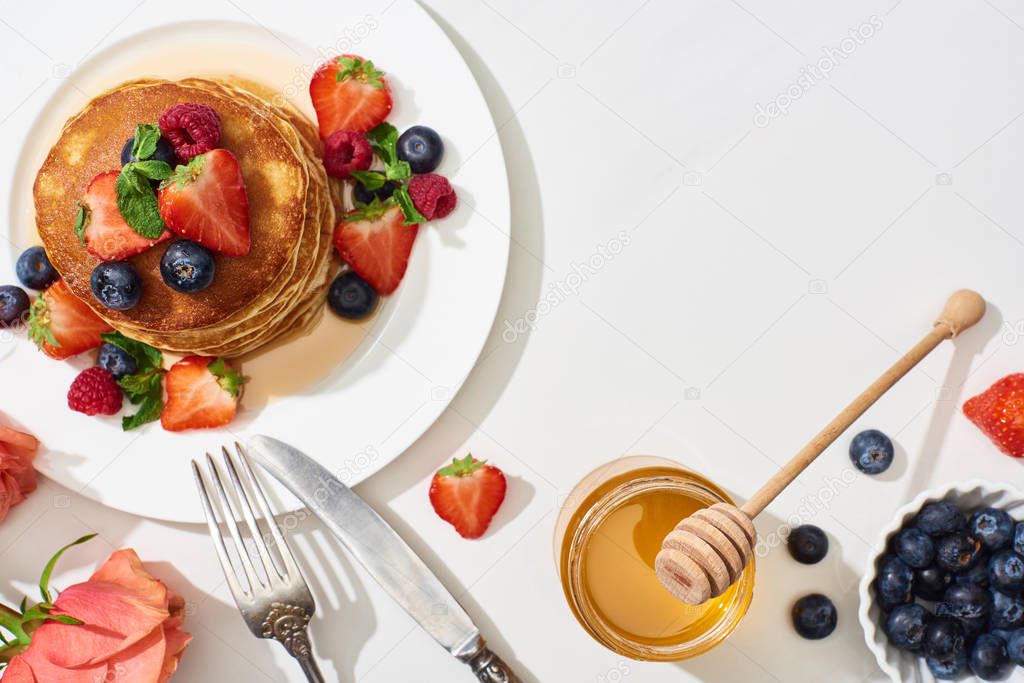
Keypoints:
(489, 667)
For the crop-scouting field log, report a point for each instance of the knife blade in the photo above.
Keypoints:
(387, 558)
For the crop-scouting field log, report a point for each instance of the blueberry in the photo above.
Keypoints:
(957, 552)
(116, 361)
(364, 196)
(894, 582)
(988, 657)
(871, 452)
(422, 148)
(1015, 647)
(944, 638)
(807, 544)
(967, 601)
(814, 616)
(1007, 611)
(116, 285)
(914, 547)
(1018, 538)
(1006, 569)
(13, 305)
(906, 625)
(164, 152)
(977, 574)
(931, 583)
(948, 669)
(993, 527)
(938, 519)
(352, 297)
(35, 270)
(187, 267)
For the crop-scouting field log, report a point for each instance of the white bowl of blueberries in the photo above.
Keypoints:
(942, 597)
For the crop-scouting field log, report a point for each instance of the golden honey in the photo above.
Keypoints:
(607, 536)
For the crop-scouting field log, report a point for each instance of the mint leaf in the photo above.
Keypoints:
(153, 169)
(146, 357)
(146, 137)
(370, 179)
(400, 170)
(139, 386)
(412, 216)
(384, 140)
(138, 203)
(81, 221)
(149, 410)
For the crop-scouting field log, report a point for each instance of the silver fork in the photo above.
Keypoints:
(275, 603)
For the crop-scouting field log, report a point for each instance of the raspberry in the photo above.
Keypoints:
(94, 392)
(191, 127)
(346, 151)
(432, 195)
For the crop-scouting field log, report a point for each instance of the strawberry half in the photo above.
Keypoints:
(62, 325)
(467, 494)
(999, 413)
(206, 202)
(348, 93)
(202, 393)
(101, 227)
(376, 243)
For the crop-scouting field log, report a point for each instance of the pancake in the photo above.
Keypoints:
(278, 288)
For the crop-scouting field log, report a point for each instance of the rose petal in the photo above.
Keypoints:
(20, 444)
(177, 641)
(142, 662)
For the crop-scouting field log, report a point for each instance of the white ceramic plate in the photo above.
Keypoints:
(899, 665)
(353, 396)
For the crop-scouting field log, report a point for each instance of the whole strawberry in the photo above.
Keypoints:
(467, 494)
(95, 392)
(999, 413)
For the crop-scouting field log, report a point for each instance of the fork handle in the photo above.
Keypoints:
(489, 667)
(309, 667)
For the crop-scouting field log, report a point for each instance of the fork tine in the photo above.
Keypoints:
(218, 539)
(250, 517)
(236, 535)
(283, 549)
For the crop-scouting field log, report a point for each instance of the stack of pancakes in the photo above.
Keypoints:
(275, 289)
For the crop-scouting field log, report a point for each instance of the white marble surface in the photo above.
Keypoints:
(747, 276)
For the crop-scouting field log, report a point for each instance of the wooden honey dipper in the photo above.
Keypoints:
(706, 552)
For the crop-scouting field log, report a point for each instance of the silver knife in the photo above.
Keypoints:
(388, 559)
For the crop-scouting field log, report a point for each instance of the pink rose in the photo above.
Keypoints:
(17, 478)
(130, 631)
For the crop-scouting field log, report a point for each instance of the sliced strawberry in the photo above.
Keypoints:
(62, 325)
(467, 494)
(376, 243)
(102, 228)
(206, 202)
(201, 393)
(999, 413)
(348, 93)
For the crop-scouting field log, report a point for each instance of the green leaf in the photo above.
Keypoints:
(384, 140)
(149, 410)
(138, 203)
(44, 580)
(146, 137)
(400, 170)
(184, 174)
(146, 357)
(412, 216)
(228, 378)
(39, 323)
(141, 385)
(81, 221)
(153, 169)
(370, 179)
(461, 468)
(355, 68)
